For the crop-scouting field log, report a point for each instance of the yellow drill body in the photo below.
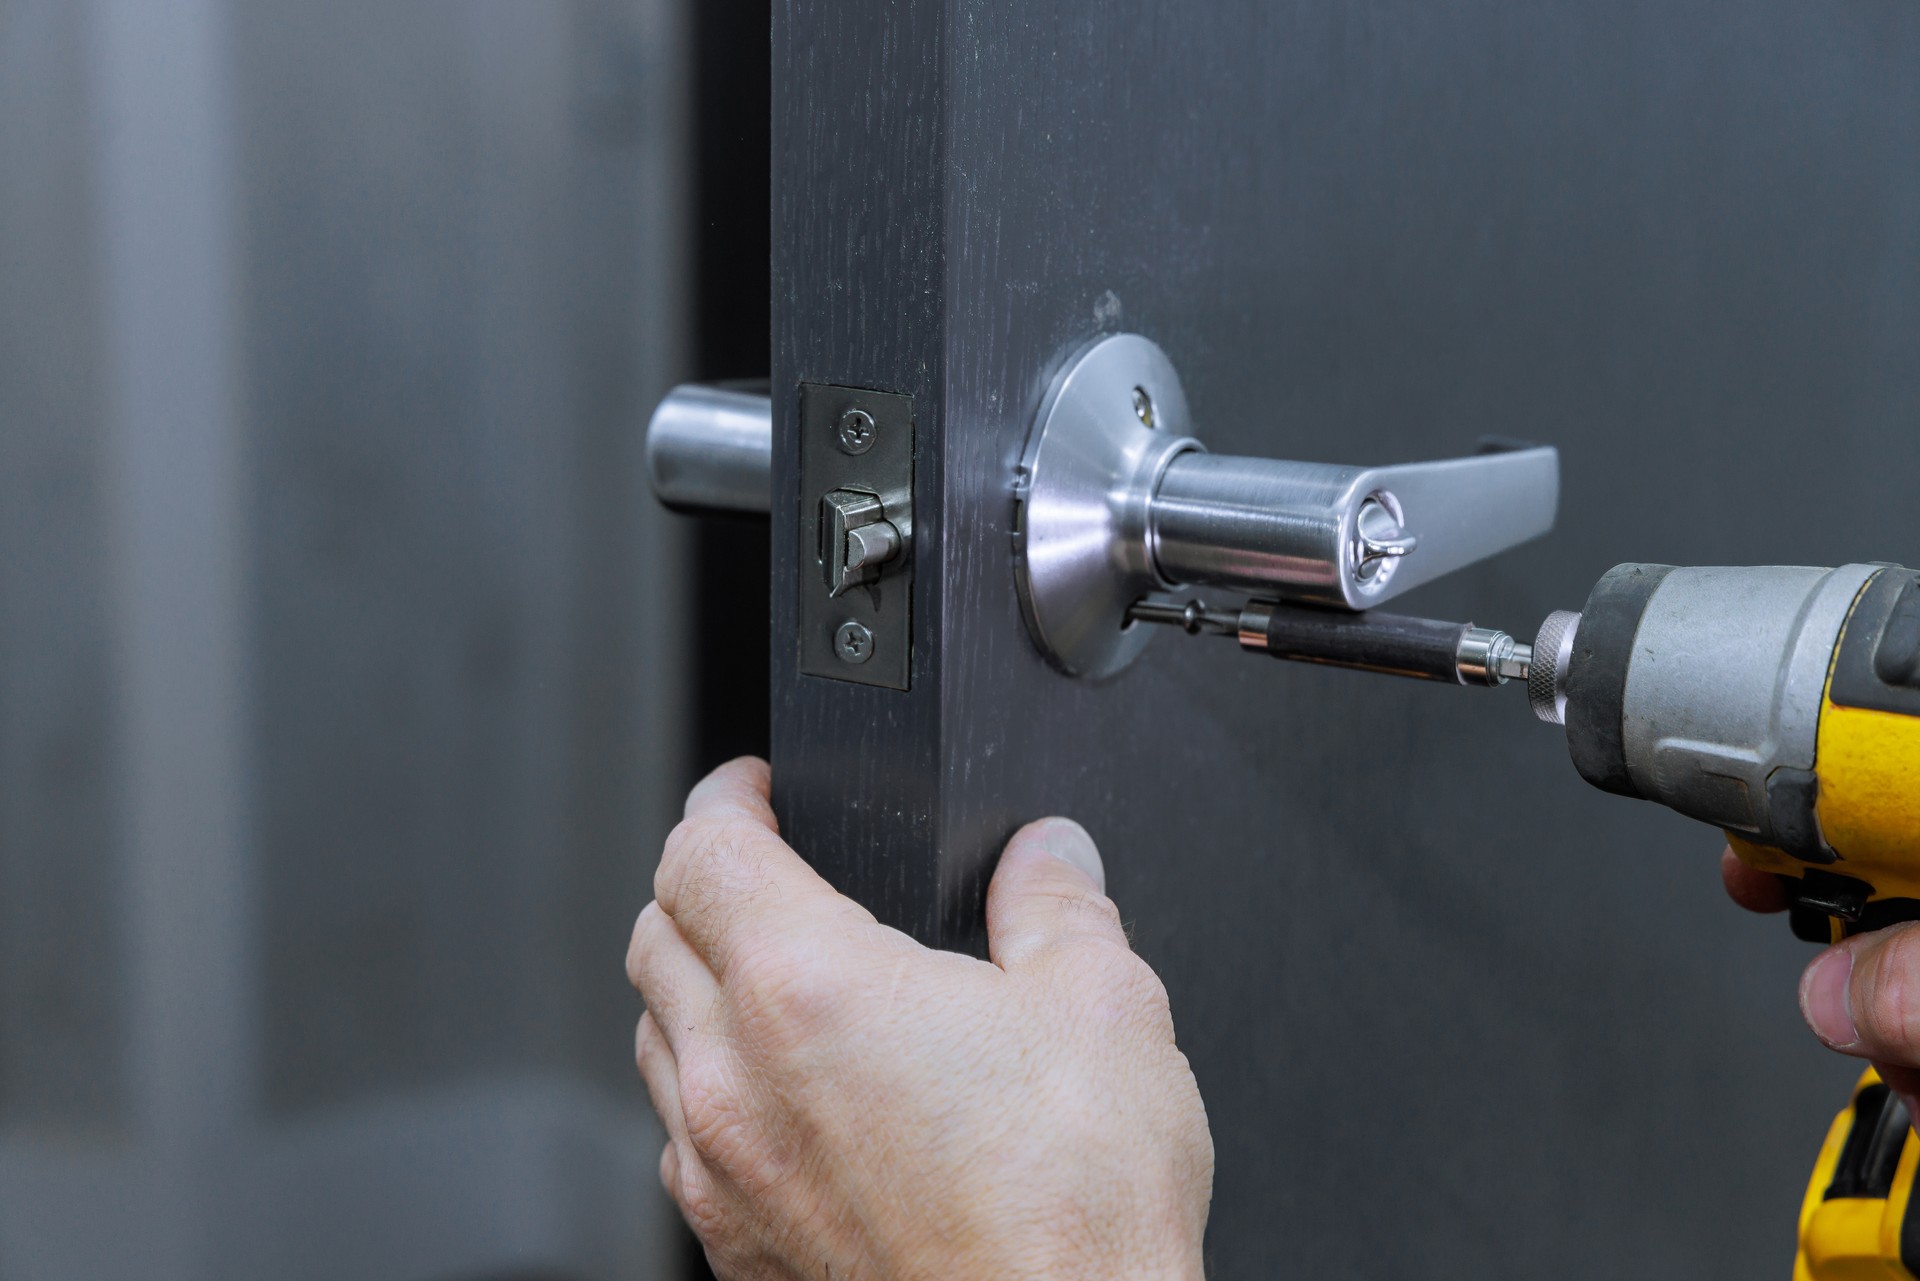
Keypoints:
(1868, 764)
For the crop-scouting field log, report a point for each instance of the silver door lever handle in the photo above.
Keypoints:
(1349, 537)
(1116, 501)
(710, 448)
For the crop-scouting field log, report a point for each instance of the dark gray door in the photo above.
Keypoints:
(1454, 1014)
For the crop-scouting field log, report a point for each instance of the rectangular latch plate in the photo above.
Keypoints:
(856, 534)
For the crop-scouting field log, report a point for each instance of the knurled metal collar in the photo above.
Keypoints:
(1552, 656)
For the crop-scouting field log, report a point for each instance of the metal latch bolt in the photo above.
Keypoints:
(857, 540)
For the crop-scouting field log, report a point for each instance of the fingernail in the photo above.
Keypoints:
(1067, 841)
(1823, 998)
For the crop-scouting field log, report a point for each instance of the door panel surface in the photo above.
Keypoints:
(1454, 1013)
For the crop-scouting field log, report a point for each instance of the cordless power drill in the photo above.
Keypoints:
(1782, 705)
(1778, 703)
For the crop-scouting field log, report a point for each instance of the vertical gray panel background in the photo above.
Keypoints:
(58, 1004)
(1454, 1014)
(339, 645)
(466, 201)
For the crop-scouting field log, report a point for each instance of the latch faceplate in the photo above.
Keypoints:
(856, 514)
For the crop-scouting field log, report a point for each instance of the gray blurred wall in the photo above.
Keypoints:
(338, 662)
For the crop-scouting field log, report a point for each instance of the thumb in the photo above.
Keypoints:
(1862, 995)
(1049, 894)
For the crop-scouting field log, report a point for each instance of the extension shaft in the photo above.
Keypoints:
(1389, 644)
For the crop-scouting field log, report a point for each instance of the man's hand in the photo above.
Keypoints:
(1862, 995)
(843, 1102)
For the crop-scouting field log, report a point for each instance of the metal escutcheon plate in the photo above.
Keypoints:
(1114, 418)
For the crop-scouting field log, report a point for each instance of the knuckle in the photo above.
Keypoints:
(639, 943)
(703, 861)
(1118, 990)
(1098, 911)
(644, 1035)
(686, 846)
(1071, 916)
(787, 996)
(1099, 916)
(700, 1204)
(1086, 923)
(1891, 1012)
(719, 1122)
(1136, 978)
(1137, 986)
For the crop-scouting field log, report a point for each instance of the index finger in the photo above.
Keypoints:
(741, 788)
(726, 878)
(1751, 888)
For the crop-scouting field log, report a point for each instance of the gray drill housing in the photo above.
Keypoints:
(1701, 688)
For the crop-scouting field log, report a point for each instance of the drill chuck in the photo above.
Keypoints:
(1548, 664)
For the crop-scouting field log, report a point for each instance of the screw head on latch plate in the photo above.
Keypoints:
(853, 643)
(856, 431)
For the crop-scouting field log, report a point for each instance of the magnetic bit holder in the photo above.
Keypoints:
(1116, 500)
